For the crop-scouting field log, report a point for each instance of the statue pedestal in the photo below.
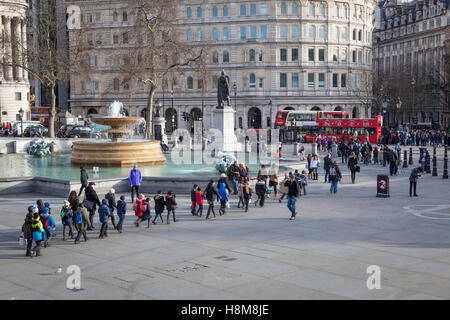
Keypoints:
(223, 120)
(159, 129)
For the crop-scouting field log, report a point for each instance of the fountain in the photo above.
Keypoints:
(117, 151)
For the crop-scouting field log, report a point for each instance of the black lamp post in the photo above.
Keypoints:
(270, 127)
(235, 103)
(21, 112)
(173, 111)
(413, 84)
(399, 105)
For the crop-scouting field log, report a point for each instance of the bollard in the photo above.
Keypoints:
(296, 148)
(405, 157)
(445, 175)
(427, 162)
(434, 174)
(410, 156)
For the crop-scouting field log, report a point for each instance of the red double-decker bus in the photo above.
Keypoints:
(300, 118)
(41, 114)
(337, 128)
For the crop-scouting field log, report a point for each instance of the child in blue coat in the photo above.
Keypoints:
(103, 213)
(223, 198)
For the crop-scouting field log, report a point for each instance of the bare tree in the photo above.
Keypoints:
(158, 50)
(43, 56)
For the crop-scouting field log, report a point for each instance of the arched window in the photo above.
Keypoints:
(115, 16)
(92, 111)
(338, 108)
(189, 35)
(215, 34)
(225, 11)
(124, 16)
(294, 7)
(312, 32)
(344, 11)
(189, 13)
(215, 11)
(322, 32)
(252, 55)
(311, 9)
(87, 59)
(199, 34)
(116, 84)
(199, 12)
(315, 108)
(225, 34)
(190, 83)
(283, 8)
(226, 56)
(321, 9)
(215, 57)
(252, 82)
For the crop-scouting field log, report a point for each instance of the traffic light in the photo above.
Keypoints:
(186, 116)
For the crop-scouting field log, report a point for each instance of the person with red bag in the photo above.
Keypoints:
(199, 198)
(139, 207)
(194, 199)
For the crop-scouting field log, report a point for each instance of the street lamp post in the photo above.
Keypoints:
(21, 112)
(413, 84)
(385, 105)
(270, 127)
(399, 105)
(235, 103)
(172, 118)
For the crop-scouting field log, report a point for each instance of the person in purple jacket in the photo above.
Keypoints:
(135, 181)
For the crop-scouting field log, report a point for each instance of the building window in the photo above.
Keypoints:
(335, 55)
(283, 8)
(125, 38)
(215, 57)
(18, 96)
(253, 9)
(344, 11)
(124, 16)
(335, 80)
(190, 83)
(283, 31)
(226, 56)
(252, 82)
(295, 31)
(360, 57)
(344, 55)
(354, 56)
(253, 32)
(263, 32)
(141, 84)
(189, 35)
(336, 10)
(360, 35)
(354, 34)
(311, 9)
(295, 80)
(199, 83)
(242, 10)
(336, 33)
(322, 32)
(321, 80)
(215, 12)
(321, 54)
(312, 32)
(89, 18)
(199, 35)
(189, 13)
(321, 9)
(343, 80)
(263, 10)
(283, 54)
(261, 83)
(260, 55)
(225, 11)
(294, 54)
(252, 55)
(199, 12)
(215, 34)
(96, 86)
(311, 54)
(243, 32)
(283, 80)
(225, 34)
(88, 86)
(115, 16)
(294, 8)
(344, 33)
(98, 17)
(310, 80)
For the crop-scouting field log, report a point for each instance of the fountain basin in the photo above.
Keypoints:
(117, 154)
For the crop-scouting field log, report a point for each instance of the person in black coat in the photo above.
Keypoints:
(160, 203)
(111, 197)
(92, 196)
(352, 164)
(210, 194)
(83, 179)
(194, 199)
(260, 190)
(171, 205)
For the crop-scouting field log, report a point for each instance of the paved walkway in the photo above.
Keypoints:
(324, 254)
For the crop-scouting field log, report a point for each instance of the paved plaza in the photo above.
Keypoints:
(260, 254)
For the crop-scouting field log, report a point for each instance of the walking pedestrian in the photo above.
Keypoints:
(66, 215)
(211, 193)
(415, 174)
(293, 192)
(146, 214)
(233, 176)
(247, 194)
(38, 234)
(103, 215)
(111, 197)
(93, 200)
(49, 225)
(84, 177)
(352, 165)
(273, 179)
(135, 180)
(28, 231)
(315, 164)
(194, 199)
(160, 203)
(121, 211)
(138, 208)
(304, 181)
(171, 205)
(199, 196)
(240, 194)
(82, 221)
(327, 162)
(223, 194)
(336, 176)
(260, 190)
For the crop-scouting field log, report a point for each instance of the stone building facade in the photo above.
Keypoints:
(14, 85)
(410, 49)
(299, 55)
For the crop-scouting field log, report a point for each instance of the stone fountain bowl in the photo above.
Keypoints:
(116, 123)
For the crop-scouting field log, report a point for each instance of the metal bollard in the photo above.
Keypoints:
(445, 175)
(410, 156)
(405, 157)
(434, 174)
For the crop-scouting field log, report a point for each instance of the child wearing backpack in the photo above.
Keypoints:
(67, 219)
(49, 226)
(121, 211)
(38, 233)
(103, 214)
(82, 220)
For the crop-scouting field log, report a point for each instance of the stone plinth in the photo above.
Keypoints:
(223, 120)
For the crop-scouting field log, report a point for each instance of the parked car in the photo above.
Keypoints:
(83, 132)
(36, 131)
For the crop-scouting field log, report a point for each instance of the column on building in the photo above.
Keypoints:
(17, 47)
(8, 49)
(24, 48)
(1, 47)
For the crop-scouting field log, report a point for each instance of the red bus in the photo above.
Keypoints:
(337, 128)
(41, 114)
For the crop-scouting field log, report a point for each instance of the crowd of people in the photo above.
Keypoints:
(423, 138)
